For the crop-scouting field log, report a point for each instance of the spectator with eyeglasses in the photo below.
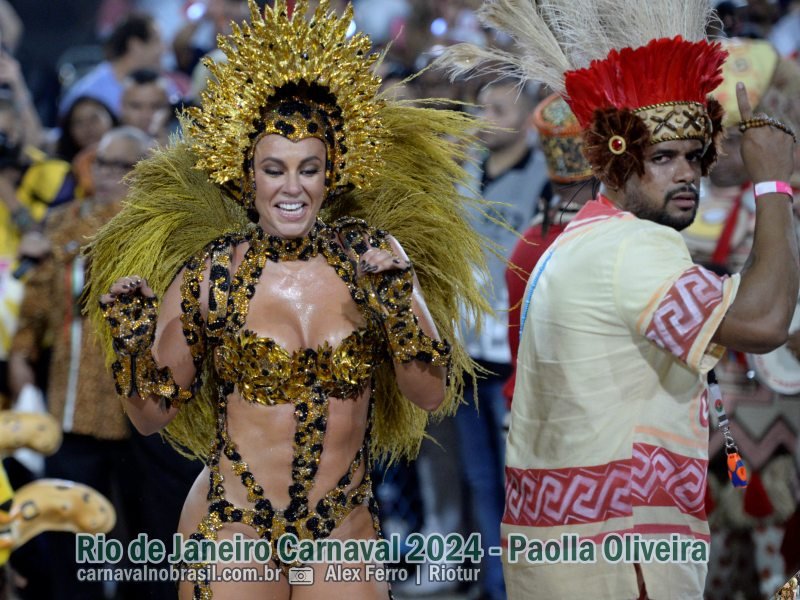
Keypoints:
(96, 449)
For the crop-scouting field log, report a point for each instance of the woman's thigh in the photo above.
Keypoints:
(260, 582)
(347, 581)
(238, 580)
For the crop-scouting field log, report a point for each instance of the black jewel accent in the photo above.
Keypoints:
(278, 248)
(304, 109)
(285, 128)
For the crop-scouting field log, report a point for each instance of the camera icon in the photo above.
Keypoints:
(301, 576)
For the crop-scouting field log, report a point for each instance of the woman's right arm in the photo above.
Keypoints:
(163, 372)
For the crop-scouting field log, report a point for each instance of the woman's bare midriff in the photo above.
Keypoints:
(264, 436)
(298, 304)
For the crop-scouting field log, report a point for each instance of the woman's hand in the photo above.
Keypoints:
(131, 309)
(376, 260)
(127, 286)
(388, 281)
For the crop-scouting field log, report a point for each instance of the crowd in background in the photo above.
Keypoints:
(87, 90)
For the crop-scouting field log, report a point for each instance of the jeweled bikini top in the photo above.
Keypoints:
(263, 370)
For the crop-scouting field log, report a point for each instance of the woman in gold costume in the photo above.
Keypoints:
(287, 353)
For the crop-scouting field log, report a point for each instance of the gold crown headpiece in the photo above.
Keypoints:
(298, 77)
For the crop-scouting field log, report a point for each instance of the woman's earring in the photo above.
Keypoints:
(250, 201)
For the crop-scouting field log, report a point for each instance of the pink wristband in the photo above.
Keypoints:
(773, 187)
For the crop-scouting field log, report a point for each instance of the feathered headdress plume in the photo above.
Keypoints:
(553, 37)
(633, 72)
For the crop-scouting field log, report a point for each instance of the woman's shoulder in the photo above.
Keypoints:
(226, 243)
(218, 254)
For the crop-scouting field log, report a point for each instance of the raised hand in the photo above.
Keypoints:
(131, 309)
(376, 260)
(767, 150)
(388, 281)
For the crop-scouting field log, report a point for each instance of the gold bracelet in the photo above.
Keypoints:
(132, 320)
(139, 373)
(389, 297)
(407, 341)
(766, 122)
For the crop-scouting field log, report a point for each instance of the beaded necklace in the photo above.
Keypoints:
(276, 248)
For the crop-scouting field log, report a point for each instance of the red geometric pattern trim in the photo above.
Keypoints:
(687, 305)
(653, 477)
(663, 478)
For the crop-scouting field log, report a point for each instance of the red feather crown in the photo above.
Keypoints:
(646, 95)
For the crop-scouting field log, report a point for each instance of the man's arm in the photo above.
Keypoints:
(759, 317)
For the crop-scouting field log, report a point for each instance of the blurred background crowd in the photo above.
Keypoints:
(88, 87)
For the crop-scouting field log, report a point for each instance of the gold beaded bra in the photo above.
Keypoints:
(264, 372)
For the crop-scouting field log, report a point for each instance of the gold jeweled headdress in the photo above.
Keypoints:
(298, 77)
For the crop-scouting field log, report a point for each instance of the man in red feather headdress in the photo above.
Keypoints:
(607, 451)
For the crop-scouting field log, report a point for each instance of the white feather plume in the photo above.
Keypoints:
(555, 36)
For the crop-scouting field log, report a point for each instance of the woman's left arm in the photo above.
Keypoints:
(420, 357)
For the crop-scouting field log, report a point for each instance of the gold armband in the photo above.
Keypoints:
(139, 373)
(408, 342)
(132, 318)
(390, 299)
